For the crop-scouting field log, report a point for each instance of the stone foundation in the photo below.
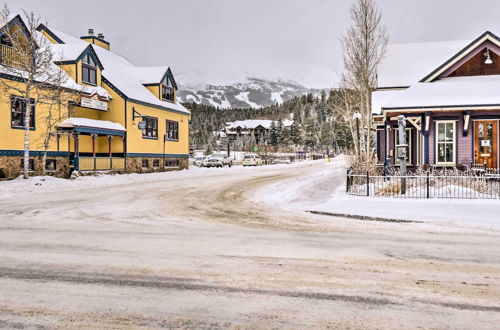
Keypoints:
(135, 165)
(10, 167)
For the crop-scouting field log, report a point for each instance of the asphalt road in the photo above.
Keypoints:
(199, 252)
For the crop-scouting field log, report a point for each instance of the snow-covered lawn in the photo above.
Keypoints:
(325, 192)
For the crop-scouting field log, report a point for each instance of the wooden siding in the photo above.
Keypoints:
(476, 66)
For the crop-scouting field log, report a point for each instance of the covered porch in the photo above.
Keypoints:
(97, 145)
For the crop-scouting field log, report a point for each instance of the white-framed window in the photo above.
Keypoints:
(409, 141)
(446, 146)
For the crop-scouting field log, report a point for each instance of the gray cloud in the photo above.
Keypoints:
(281, 38)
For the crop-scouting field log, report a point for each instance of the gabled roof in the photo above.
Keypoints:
(154, 75)
(74, 53)
(487, 36)
(125, 78)
(254, 123)
(16, 20)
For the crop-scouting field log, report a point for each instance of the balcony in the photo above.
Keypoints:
(9, 56)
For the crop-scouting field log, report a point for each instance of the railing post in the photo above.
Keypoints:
(428, 185)
(367, 183)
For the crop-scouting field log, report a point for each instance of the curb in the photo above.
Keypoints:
(364, 217)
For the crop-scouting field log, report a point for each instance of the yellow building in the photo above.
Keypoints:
(124, 118)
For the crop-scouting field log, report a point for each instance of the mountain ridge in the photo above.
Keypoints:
(248, 92)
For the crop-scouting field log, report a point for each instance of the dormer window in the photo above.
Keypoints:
(89, 70)
(167, 90)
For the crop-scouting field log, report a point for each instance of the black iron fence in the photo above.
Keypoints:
(427, 185)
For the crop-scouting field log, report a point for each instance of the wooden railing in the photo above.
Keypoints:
(9, 56)
(100, 163)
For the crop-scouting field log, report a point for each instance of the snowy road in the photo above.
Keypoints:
(202, 249)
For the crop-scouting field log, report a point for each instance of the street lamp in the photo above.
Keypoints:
(357, 116)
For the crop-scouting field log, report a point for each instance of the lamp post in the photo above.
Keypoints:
(357, 116)
(402, 151)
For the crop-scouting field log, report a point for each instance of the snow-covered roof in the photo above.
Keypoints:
(381, 97)
(254, 123)
(121, 73)
(63, 52)
(55, 70)
(91, 123)
(406, 64)
(474, 91)
(151, 74)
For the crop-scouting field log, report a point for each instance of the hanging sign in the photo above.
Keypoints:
(142, 125)
(94, 103)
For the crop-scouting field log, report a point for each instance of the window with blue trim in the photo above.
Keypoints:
(172, 130)
(18, 107)
(89, 70)
(151, 129)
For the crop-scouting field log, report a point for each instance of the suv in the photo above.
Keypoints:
(252, 160)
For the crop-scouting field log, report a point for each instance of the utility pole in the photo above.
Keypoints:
(402, 151)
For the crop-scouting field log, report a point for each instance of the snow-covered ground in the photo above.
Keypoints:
(325, 192)
(194, 249)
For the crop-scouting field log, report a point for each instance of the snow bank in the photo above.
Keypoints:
(45, 184)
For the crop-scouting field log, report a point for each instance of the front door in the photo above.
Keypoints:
(486, 143)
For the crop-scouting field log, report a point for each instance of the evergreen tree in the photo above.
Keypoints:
(273, 135)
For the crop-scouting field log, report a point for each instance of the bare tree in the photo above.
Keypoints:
(364, 45)
(28, 57)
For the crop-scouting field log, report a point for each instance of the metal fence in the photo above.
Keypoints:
(424, 186)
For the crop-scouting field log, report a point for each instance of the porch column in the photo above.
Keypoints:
(426, 137)
(93, 149)
(110, 139)
(387, 131)
(77, 152)
(124, 139)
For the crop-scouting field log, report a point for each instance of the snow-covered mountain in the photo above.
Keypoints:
(252, 93)
(228, 89)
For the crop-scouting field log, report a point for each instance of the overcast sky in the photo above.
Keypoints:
(292, 39)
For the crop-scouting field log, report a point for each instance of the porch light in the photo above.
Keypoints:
(488, 57)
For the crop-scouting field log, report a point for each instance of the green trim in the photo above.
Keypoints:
(83, 129)
(126, 98)
(50, 33)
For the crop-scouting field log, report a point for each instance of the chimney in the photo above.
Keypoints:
(91, 32)
(100, 36)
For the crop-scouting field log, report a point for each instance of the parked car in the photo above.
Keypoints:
(227, 161)
(198, 161)
(213, 162)
(252, 160)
